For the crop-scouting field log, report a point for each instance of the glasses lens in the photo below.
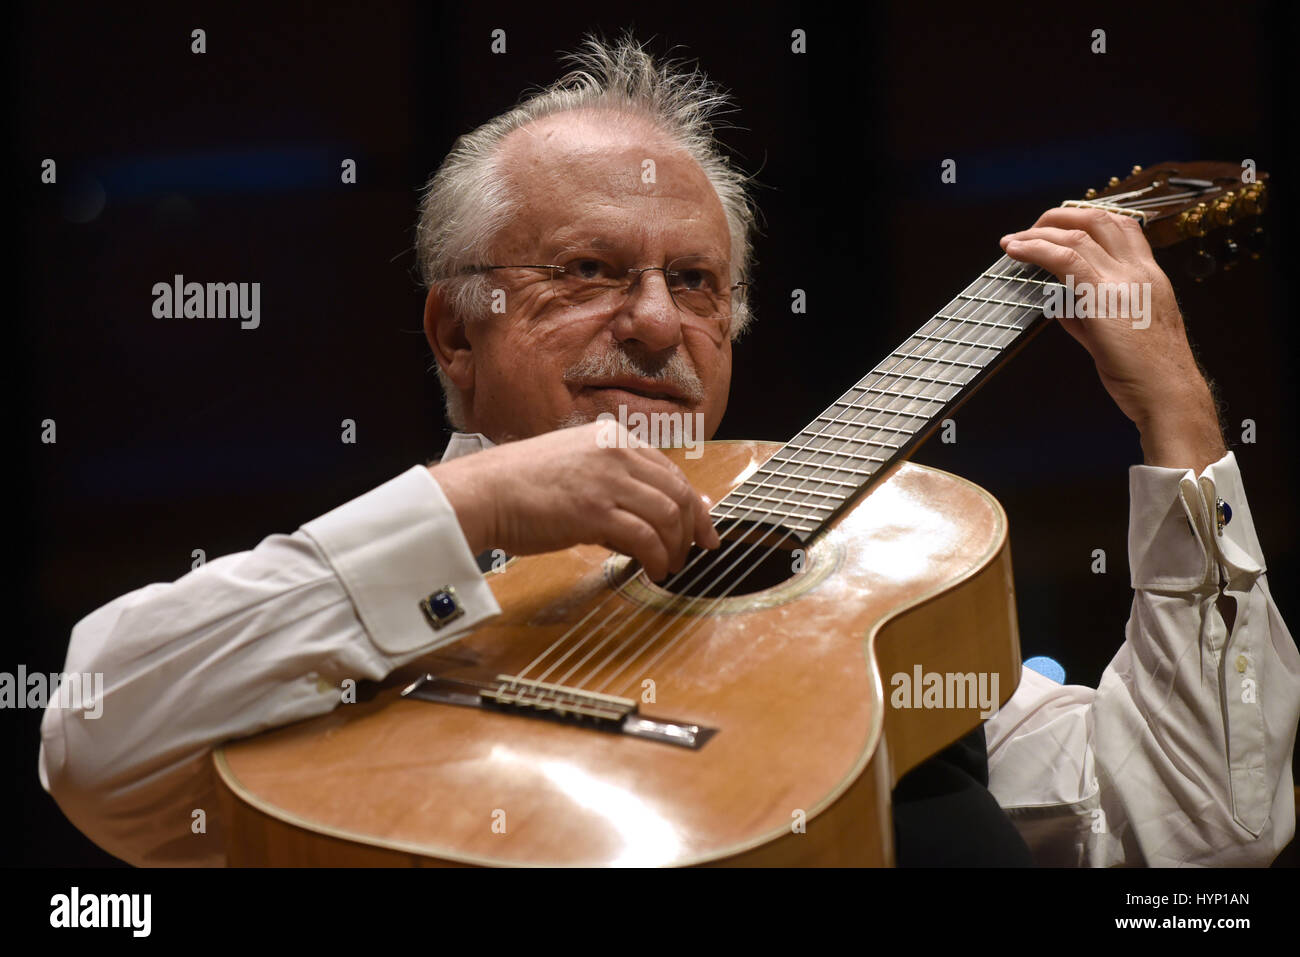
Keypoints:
(701, 285)
(589, 271)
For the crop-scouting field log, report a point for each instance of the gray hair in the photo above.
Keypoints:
(467, 202)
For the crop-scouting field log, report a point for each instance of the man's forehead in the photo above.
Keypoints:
(579, 174)
(583, 136)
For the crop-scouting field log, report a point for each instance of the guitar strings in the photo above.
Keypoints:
(862, 427)
(870, 425)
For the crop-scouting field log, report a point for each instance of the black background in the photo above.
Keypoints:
(176, 435)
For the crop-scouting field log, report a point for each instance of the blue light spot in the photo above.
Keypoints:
(1047, 667)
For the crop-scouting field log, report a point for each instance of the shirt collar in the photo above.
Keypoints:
(466, 443)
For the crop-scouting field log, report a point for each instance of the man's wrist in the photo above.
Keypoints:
(467, 501)
(1183, 432)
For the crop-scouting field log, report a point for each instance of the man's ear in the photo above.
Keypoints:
(447, 339)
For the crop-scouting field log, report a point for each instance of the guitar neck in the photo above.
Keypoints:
(884, 417)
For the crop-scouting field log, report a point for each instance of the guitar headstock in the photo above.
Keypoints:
(1191, 201)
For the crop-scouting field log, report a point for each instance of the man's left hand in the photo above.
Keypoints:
(1145, 362)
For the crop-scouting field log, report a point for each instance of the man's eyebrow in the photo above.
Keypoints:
(595, 242)
(598, 242)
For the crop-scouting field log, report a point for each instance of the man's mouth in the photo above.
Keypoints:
(646, 389)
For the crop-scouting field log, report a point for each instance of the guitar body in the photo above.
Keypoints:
(795, 680)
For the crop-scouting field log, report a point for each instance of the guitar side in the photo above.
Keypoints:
(796, 680)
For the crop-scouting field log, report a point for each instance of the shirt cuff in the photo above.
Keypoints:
(1237, 546)
(1174, 539)
(395, 546)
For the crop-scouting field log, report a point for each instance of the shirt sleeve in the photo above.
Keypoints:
(244, 643)
(1182, 755)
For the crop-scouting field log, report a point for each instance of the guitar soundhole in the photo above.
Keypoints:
(753, 557)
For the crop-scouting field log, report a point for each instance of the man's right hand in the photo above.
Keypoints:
(592, 484)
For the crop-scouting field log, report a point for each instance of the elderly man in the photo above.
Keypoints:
(562, 243)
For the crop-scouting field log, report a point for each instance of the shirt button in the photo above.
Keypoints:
(1241, 663)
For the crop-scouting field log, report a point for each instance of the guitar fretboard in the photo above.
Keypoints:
(891, 410)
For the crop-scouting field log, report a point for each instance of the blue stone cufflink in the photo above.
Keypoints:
(1222, 513)
(442, 606)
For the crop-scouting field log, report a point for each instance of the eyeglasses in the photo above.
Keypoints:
(698, 285)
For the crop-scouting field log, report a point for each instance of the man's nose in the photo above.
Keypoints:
(649, 315)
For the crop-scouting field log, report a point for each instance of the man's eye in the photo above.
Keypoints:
(694, 280)
(690, 278)
(588, 269)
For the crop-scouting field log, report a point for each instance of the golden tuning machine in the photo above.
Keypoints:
(1224, 210)
(1251, 200)
(1192, 223)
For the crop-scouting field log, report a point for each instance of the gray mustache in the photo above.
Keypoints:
(672, 371)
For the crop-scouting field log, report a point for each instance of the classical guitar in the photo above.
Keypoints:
(744, 711)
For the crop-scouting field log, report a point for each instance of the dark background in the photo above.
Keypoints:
(176, 435)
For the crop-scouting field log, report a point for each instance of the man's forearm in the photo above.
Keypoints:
(1184, 433)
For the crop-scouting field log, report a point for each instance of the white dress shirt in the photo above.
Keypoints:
(1182, 756)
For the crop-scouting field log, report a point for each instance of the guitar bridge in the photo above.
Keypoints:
(520, 694)
(539, 699)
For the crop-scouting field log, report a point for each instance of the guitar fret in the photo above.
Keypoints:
(921, 378)
(955, 342)
(750, 483)
(900, 395)
(787, 501)
(865, 425)
(1001, 302)
(802, 478)
(978, 322)
(951, 362)
(851, 439)
(872, 408)
(1036, 282)
(847, 455)
(835, 468)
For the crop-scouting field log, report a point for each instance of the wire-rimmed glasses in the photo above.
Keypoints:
(699, 286)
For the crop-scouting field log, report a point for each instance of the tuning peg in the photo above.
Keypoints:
(1224, 210)
(1135, 170)
(1201, 266)
(1091, 194)
(1251, 199)
(1113, 181)
(1192, 222)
